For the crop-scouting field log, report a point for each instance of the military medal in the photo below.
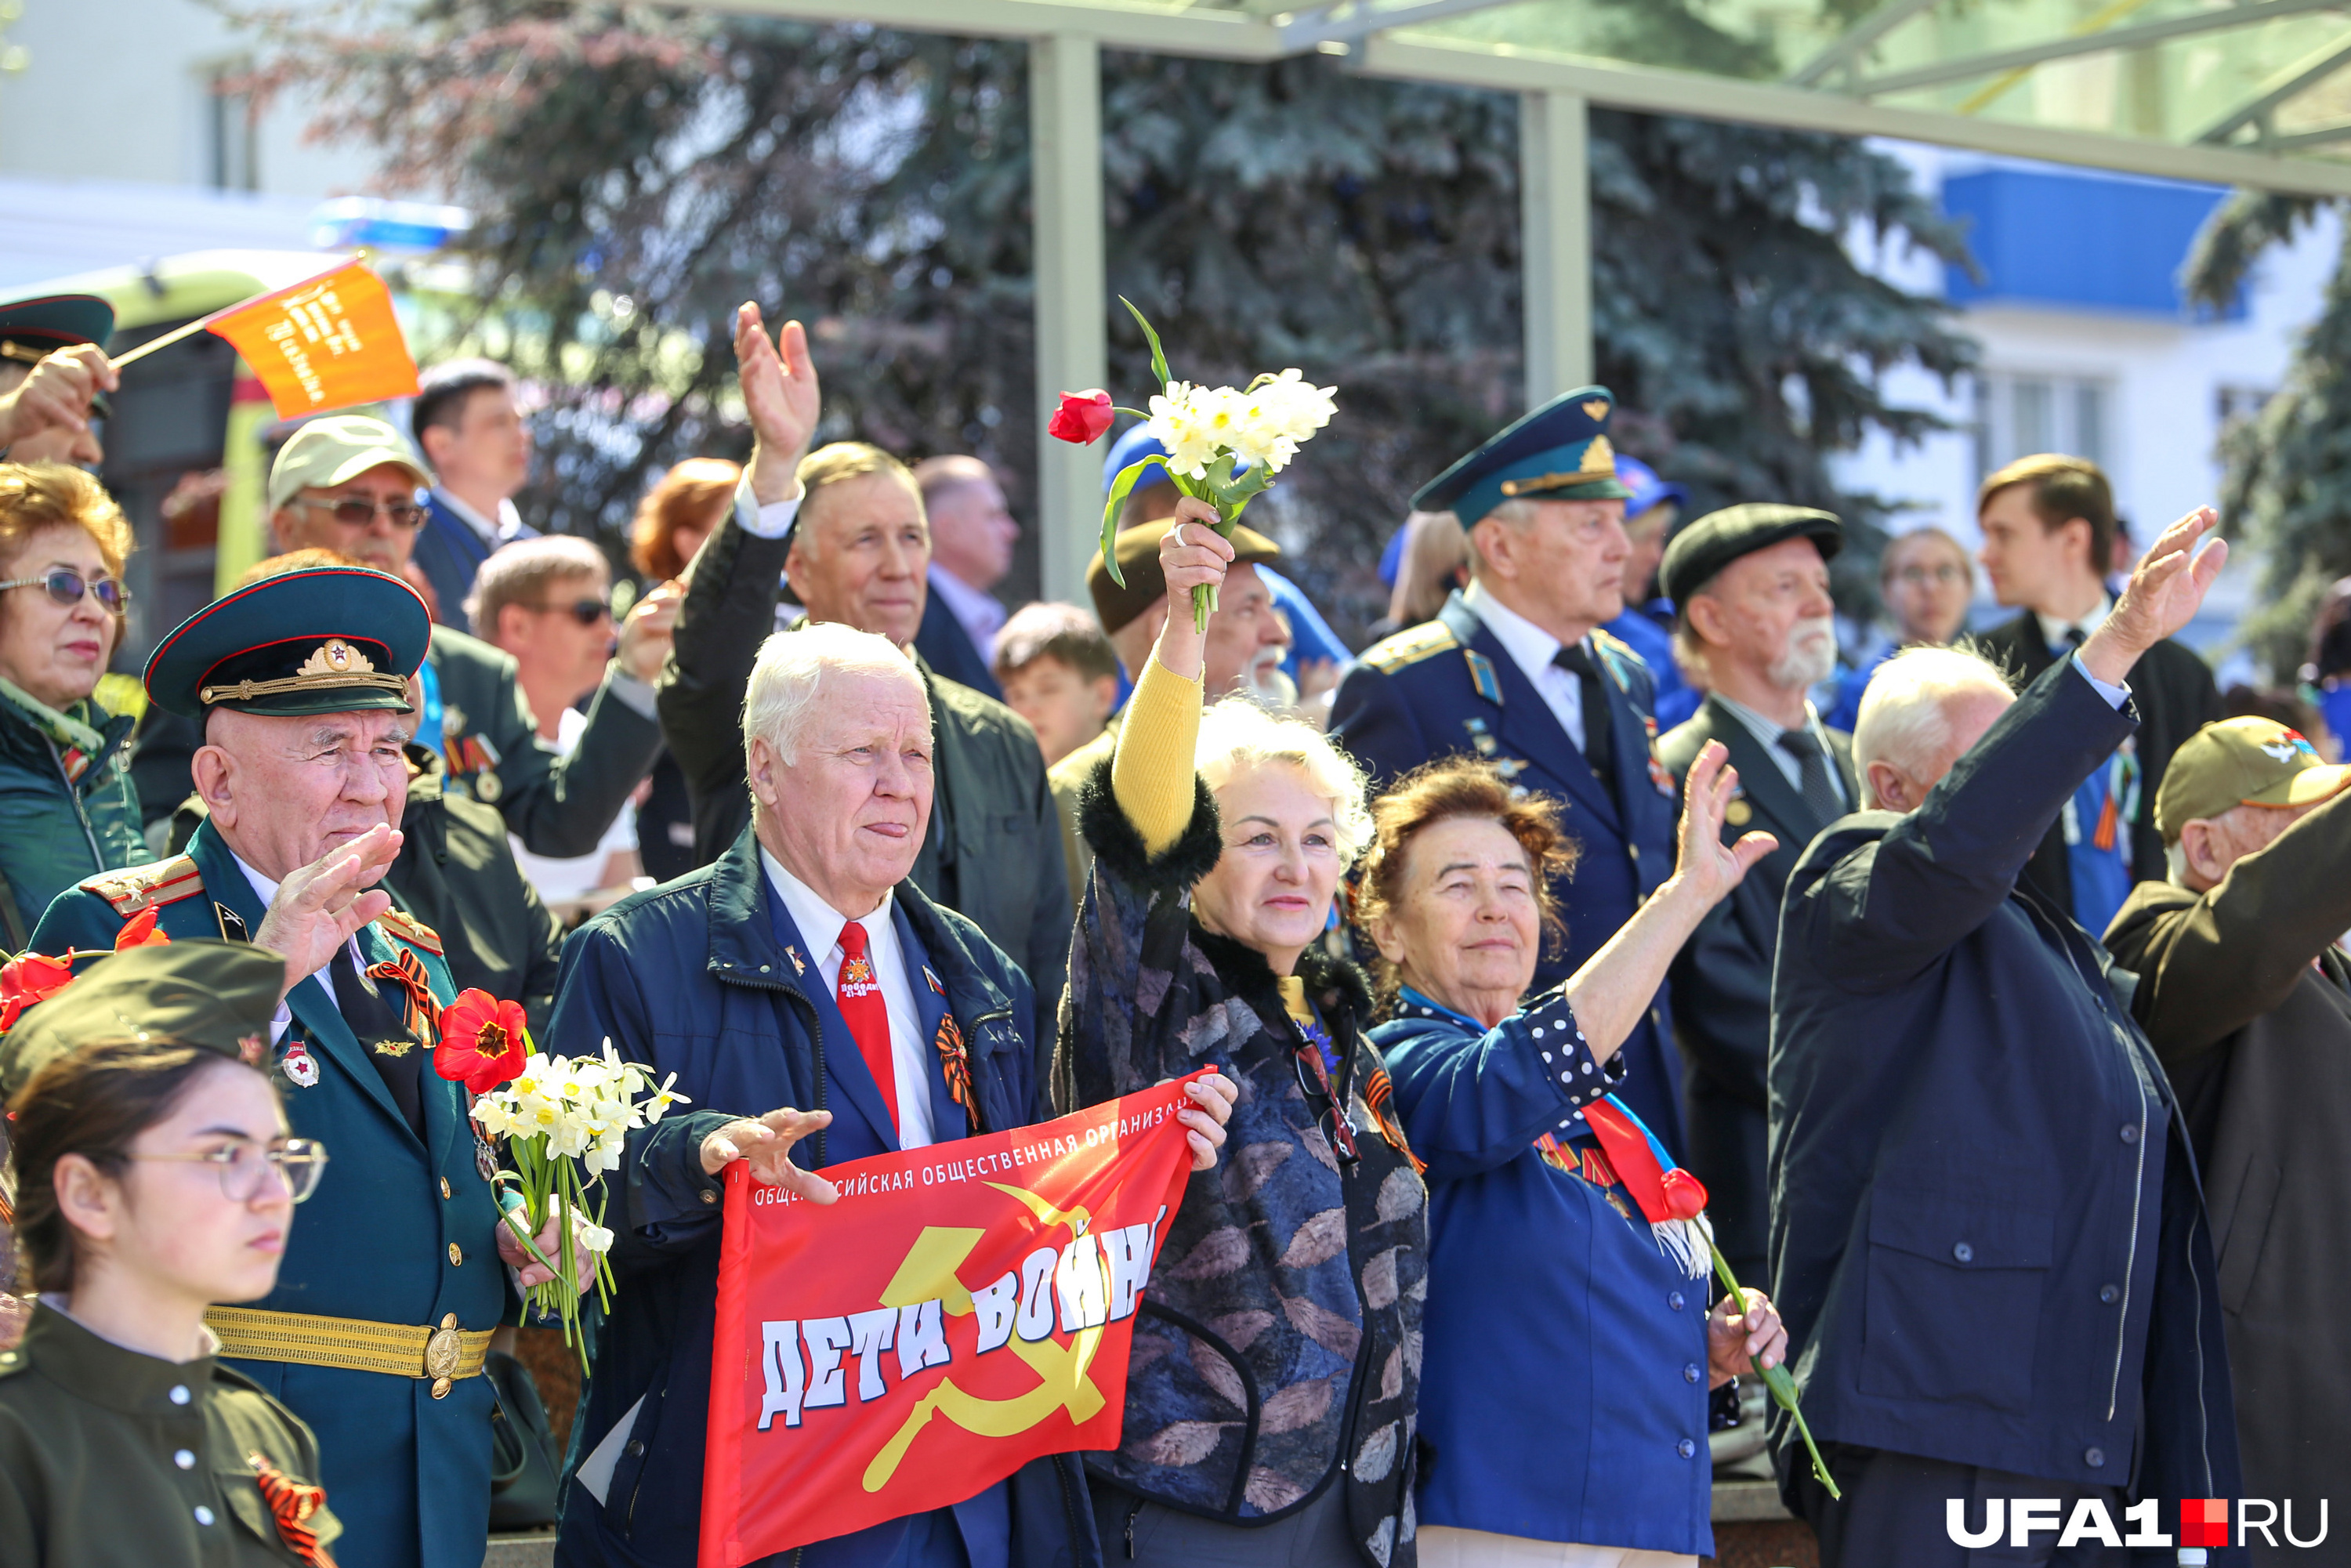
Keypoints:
(1739, 813)
(485, 1159)
(301, 1067)
(487, 788)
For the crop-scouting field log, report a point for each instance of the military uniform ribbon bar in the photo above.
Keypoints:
(962, 1310)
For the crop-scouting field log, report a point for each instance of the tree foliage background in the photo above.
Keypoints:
(637, 171)
(2288, 481)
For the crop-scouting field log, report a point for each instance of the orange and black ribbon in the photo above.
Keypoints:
(955, 1060)
(292, 1504)
(421, 1013)
(1380, 1095)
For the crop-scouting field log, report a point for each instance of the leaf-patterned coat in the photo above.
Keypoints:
(1278, 1348)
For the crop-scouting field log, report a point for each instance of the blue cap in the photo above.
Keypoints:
(1561, 452)
(1646, 488)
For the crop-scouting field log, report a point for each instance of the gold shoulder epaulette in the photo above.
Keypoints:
(410, 930)
(139, 887)
(1410, 647)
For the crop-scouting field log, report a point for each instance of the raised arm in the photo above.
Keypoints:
(1151, 773)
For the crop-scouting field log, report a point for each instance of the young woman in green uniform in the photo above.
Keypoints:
(153, 1178)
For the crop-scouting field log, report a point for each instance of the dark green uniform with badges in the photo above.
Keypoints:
(1449, 687)
(110, 1458)
(392, 1284)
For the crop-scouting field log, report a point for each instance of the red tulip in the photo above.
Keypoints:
(484, 1041)
(1685, 1195)
(139, 932)
(1081, 418)
(29, 979)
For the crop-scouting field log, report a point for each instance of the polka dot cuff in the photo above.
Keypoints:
(1559, 1042)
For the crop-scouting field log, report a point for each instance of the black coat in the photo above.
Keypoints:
(2175, 696)
(1721, 981)
(1987, 1238)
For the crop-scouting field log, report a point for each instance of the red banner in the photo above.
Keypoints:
(964, 1309)
(333, 342)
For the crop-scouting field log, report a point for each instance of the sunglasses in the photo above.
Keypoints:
(66, 586)
(587, 612)
(358, 511)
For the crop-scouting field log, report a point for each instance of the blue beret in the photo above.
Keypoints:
(330, 639)
(1558, 453)
(1648, 490)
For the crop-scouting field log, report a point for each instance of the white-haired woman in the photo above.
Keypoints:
(1271, 1396)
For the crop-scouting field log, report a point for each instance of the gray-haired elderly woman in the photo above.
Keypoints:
(1269, 1405)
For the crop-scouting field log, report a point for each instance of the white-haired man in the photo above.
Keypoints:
(846, 523)
(1750, 586)
(803, 968)
(1987, 1237)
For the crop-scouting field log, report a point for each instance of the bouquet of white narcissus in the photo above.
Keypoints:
(1224, 446)
(564, 1122)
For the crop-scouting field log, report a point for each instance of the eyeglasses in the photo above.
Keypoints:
(358, 511)
(66, 586)
(243, 1166)
(1917, 576)
(587, 612)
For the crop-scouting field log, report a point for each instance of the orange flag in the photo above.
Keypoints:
(330, 343)
(964, 1309)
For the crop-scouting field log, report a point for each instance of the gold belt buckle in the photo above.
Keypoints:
(442, 1350)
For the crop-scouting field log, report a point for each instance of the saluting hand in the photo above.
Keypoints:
(1708, 867)
(323, 905)
(649, 629)
(780, 394)
(766, 1144)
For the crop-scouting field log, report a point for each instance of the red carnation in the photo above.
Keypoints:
(1685, 1195)
(1081, 418)
(484, 1041)
(29, 979)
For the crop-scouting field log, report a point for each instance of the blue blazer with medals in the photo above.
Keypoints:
(1449, 687)
(401, 1229)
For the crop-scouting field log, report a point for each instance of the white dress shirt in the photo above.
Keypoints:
(505, 531)
(1767, 733)
(764, 522)
(2053, 631)
(977, 611)
(820, 926)
(1532, 648)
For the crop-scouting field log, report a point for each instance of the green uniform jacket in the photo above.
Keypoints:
(400, 1230)
(110, 1458)
(52, 834)
(456, 873)
(994, 852)
(555, 805)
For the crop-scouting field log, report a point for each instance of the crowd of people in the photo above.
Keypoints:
(1986, 988)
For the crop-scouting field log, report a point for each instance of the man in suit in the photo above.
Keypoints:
(1750, 588)
(1517, 669)
(804, 968)
(1987, 1239)
(476, 438)
(846, 523)
(300, 683)
(2049, 530)
(972, 534)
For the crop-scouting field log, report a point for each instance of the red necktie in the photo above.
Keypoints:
(860, 994)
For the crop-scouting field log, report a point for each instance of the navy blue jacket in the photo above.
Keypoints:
(1563, 1393)
(1448, 686)
(949, 651)
(449, 552)
(704, 977)
(1987, 1237)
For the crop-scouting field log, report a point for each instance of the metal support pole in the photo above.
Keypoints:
(1555, 246)
(1072, 344)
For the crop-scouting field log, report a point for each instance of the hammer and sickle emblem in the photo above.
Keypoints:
(928, 1274)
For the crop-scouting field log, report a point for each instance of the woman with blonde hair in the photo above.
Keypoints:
(65, 781)
(1269, 1399)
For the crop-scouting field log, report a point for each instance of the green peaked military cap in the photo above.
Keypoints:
(1706, 544)
(1561, 452)
(327, 639)
(33, 329)
(217, 995)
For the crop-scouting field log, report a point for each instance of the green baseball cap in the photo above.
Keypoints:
(2241, 762)
(218, 996)
(335, 449)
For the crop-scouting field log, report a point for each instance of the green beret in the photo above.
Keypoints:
(1138, 562)
(1709, 543)
(219, 995)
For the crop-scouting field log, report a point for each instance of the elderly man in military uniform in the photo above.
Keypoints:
(394, 1278)
(54, 375)
(1516, 669)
